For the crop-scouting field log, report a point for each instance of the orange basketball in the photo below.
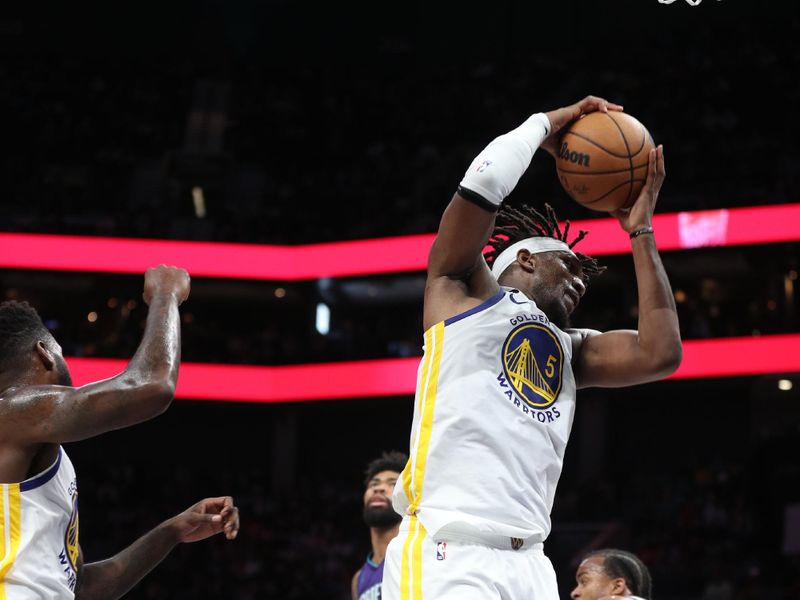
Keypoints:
(602, 160)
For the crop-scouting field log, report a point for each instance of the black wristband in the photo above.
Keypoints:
(477, 200)
(642, 231)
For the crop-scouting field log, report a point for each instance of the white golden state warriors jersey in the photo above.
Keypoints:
(493, 412)
(39, 535)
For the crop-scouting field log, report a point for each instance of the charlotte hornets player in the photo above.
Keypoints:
(40, 409)
(383, 522)
(496, 387)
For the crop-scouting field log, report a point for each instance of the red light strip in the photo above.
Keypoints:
(396, 377)
(675, 231)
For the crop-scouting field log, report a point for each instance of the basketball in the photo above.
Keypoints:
(602, 160)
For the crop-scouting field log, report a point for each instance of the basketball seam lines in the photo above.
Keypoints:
(626, 169)
(603, 148)
(630, 157)
(614, 189)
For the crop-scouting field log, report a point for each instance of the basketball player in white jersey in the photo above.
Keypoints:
(40, 555)
(496, 387)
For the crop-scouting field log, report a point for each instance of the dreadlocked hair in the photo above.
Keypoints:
(20, 328)
(515, 224)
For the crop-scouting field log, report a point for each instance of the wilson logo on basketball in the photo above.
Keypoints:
(578, 158)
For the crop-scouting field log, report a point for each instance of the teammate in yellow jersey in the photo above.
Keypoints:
(40, 554)
(496, 387)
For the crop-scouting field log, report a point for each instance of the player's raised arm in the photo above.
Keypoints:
(61, 413)
(112, 578)
(621, 358)
(458, 277)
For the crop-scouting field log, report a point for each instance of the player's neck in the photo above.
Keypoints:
(16, 381)
(380, 538)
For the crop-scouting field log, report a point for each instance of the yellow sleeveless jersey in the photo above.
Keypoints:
(493, 412)
(39, 534)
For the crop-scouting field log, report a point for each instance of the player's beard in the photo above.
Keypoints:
(556, 312)
(381, 516)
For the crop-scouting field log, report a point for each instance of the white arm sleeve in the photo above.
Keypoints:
(496, 170)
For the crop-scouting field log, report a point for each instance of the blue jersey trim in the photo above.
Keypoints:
(43, 477)
(371, 562)
(482, 306)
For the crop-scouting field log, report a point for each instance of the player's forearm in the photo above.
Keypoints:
(114, 577)
(659, 333)
(158, 357)
(469, 218)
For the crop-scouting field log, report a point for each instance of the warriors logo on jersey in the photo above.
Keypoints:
(71, 537)
(532, 362)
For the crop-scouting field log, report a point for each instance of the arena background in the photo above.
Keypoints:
(296, 123)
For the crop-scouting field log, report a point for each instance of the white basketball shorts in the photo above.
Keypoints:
(418, 567)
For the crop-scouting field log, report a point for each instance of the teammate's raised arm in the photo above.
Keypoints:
(54, 412)
(40, 409)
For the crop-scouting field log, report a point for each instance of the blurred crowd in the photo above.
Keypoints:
(291, 152)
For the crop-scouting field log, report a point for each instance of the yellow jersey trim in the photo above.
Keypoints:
(11, 532)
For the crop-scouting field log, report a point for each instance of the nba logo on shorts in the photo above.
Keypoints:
(441, 550)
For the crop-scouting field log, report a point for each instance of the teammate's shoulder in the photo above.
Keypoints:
(9, 398)
(28, 404)
(19, 396)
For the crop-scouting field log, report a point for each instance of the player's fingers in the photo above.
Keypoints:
(620, 213)
(231, 527)
(231, 517)
(596, 103)
(658, 176)
(220, 500)
(593, 103)
(651, 168)
(205, 518)
(217, 504)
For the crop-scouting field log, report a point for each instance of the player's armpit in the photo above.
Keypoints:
(618, 359)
